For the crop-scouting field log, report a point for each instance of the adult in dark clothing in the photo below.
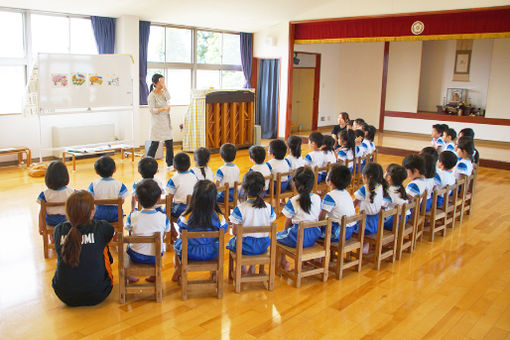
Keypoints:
(83, 276)
(343, 119)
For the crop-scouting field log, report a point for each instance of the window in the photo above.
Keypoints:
(11, 42)
(191, 58)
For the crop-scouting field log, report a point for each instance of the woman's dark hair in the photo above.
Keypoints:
(202, 156)
(448, 158)
(304, 180)
(155, 80)
(349, 137)
(147, 192)
(466, 144)
(278, 148)
(294, 143)
(398, 175)
(340, 176)
(414, 162)
(345, 117)
(430, 165)
(79, 208)
(228, 152)
(370, 132)
(374, 172)
(317, 138)
(329, 143)
(467, 132)
(182, 162)
(56, 176)
(257, 153)
(203, 204)
(147, 167)
(105, 166)
(253, 185)
(451, 133)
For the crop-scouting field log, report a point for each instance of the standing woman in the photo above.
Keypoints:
(343, 119)
(161, 126)
(83, 276)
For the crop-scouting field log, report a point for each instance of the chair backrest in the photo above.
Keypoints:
(278, 179)
(44, 208)
(155, 238)
(423, 203)
(306, 225)
(186, 235)
(444, 192)
(118, 202)
(383, 214)
(317, 170)
(225, 188)
(270, 178)
(412, 206)
(240, 231)
(359, 218)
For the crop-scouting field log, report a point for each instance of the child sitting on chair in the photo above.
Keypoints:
(228, 172)
(465, 149)
(294, 158)
(445, 176)
(146, 222)
(430, 159)
(315, 158)
(449, 137)
(278, 163)
(395, 176)
(106, 188)
(147, 168)
(181, 184)
(258, 156)
(437, 136)
(203, 214)
(347, 148)
(201, 169)
(415, 166)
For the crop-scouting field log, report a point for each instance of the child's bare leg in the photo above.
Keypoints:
(151, 278)
(284, 263)
(251, 270)
(132, 279)
(177, 270)
(243, 270)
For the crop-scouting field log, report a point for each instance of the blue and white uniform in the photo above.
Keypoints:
(315, 159)
(346, 155)
(180, 185)
(293, 211)
(450, 146)
(445, 178)
(393, 200)
(227, 173)
(280, 166)
(372, 209)
(55, 215)
(106, 189)
(416, 187)
(430, 185)
(437, 143)
(464, 167)
(246, 215)
(145, 222)
(338, 203)
(265, 170)
(197, 171)
(157, 180)
(200, 249)
(295, 162)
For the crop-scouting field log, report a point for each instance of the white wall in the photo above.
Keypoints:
(404, 66)
(498, 105)
(437, 72)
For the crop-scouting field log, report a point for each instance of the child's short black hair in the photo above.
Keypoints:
(278, 148)
(370, 133)
(202, 156)
(340, 176)
(147, 167)
(56, 176)
(182, 162)
(429, 150)
(329, 143)
(257, 153)
(294, 144)
(359, 133)
(466, 144)
(105, 166)
(317, 138)
(350, 123)
(448, 159)
(414, 162)
(360, 121)
(147, 192)
(228, 152)
(439, 128)
(451, 133)
(430, 165)
(467, 132)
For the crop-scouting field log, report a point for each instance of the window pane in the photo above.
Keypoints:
(178, 45)
(208, 79)
(178, 83)
(231, 49)
(11, 35)
(208, 47)
(82, 37)
(232, 79)
(156, 47)
(50, 34)
(12, 87)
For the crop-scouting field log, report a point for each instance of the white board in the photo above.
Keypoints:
(73, 81)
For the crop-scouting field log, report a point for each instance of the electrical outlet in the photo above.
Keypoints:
(322, 118)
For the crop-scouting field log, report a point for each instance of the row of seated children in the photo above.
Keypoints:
(443, 138)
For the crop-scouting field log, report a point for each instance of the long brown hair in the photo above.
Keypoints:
(79, 207)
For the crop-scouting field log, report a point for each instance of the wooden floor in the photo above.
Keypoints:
(456, 287)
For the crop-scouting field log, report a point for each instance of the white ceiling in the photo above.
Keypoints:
(241, 15)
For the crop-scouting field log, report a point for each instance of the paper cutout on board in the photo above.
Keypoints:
(78, 79)
(112, 80)
(59, 79)
(95, 80)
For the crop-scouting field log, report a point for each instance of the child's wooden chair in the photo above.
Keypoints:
(170, 236)
(300, 254)
(384, 241)
(407, 230)
(225, 206)
(349, 253)
(436, 219)
(47, 230)
(282, 195)
(118, 226)
(470, 190)
(321, 188)
(129, 268)
(420, 224)
(213, 266)
(269, 198)
(357, 180)
(237, 259)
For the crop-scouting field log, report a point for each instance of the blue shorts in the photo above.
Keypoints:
(388, 222)
(53, 220)
(321, 177)
(203, 252)
(284, 187)
(429, 204)
(107, 213)
(371, 224)
(140, 258)
(335, 232)
(221, 196)
(288, 236)
(178, 209)
(251, 245)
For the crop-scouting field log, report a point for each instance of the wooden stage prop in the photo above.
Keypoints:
(218, 117)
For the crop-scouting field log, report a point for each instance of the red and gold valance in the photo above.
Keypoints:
(469, 24)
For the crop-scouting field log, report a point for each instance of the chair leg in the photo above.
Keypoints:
(230, 268)
(184, 284)
(122, 287)
(339, 265)
(297, 272)
(238, 276)
(325, 266)
(45, 245)
(270, 284)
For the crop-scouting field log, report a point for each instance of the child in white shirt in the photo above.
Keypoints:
(147, 168)
(347, 148)
(181, 184)
(227, 173)
(294, 158)
(395, 176)
(258, 156)
(278, 163)
(446, 164)
(449, 137)
(201, 170)
(315, 158)
(415, 166)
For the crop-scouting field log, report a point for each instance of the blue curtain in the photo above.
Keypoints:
(246, 57)
(104, 32)
(144, 29)
(267, 98)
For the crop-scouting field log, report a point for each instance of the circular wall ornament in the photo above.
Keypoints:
(417, 27)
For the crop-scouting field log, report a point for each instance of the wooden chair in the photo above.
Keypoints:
(459, 196)
(384, 241)
(279, 196)
(436, 219)
(407, 230)
(129, 268)
(214, 266)
(349, 253)
(357, 179)
(237, 259)
(226, 205)
(321, 187)
(420, 223)
(300, 254)
(118, 226)
(47, 230)
(269, 198)
(170, 236)
(470, 190)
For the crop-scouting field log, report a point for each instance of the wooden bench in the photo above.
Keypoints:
(19, 150)
(124, 149)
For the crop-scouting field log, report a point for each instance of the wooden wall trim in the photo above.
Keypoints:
(384, 84)
(448, 118)
(290, 72)
(316, 91)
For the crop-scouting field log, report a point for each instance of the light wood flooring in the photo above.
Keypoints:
(456, 287)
